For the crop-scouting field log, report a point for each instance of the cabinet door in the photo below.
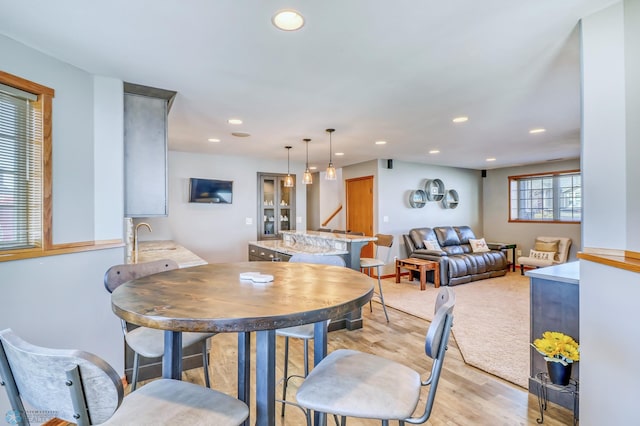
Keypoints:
(276, 206)
(145, 153)
(286, 195)
(269, 207)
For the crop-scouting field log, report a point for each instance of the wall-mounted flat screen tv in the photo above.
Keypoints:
(210, 191)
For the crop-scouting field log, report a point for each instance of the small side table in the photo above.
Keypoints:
(421, 266)
(543, 387)
(504, 247)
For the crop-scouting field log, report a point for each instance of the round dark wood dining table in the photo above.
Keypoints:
(213, 298)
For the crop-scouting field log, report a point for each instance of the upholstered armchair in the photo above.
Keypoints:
(547, 251)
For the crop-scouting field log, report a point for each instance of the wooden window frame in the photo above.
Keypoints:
(45, 103)
(516, 178)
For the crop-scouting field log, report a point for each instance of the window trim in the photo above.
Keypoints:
(45, 101)
(541, 175)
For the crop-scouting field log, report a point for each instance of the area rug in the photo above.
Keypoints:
(491, 320)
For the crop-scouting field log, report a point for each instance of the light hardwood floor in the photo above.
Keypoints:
(466, 395)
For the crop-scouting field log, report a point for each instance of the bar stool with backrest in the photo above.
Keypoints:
(385, 242)
(305, 331)
(83, 389)
(149, 342)
(349, 383)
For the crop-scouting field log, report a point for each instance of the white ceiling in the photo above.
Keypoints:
(372, 69)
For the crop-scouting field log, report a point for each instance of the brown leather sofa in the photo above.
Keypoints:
(458, 263)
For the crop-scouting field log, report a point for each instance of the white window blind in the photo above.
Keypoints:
(21, 143)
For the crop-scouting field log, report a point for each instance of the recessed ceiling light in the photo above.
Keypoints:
(240, 134)
(434, 151)
(288, 20)
(460, 119)
(313, 168)
(213, 140)
(534, 131)
(491, 159)
(234, 121)
(381, 142)
(339, 154)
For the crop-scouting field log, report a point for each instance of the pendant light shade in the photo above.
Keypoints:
(288, 180)
(331, 171)
(307, 178)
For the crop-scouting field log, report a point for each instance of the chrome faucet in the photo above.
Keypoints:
(135, 237)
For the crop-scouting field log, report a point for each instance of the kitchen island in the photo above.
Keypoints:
(281, 251)
(316, 243)
(555, 292)
(321, 243)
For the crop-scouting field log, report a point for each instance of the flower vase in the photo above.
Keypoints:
(559, 374)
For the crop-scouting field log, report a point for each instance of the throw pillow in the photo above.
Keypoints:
(431, 245)
(547, 245)
(541, 255)
(479, 245)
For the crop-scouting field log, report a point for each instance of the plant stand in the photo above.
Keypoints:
(543, 387)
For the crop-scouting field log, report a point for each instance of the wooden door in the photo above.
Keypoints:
(359, 197)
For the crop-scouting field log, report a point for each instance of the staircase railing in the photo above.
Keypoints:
(332, 215)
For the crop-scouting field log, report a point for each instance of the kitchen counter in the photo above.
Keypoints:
(320, 238)
(565, 272)
(321, 243)
(292, 248)
(149, 251)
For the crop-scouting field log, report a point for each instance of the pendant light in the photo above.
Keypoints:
(288, 180)
(307, 178)
(331, 171)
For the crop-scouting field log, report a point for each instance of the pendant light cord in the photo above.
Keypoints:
(330, 131)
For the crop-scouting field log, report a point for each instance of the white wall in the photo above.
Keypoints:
(108, 158)
(218, 232)
(60, 301)
(313, 203)
(496, 210)
(331, 193)
(632, 68)
(603, 128)
(609, 314)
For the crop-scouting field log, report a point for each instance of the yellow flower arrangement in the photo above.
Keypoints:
(557, 347)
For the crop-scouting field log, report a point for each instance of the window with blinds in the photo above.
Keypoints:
(21, 177)
(551, 197)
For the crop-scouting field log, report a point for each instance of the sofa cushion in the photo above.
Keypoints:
(464, 234)
(453, 250)
(447, 236)
(419, 235)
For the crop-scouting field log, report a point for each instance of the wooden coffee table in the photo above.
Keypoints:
(422, 266)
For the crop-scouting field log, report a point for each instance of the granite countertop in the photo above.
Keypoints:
(565, 272)
(330, 236)
(155, 250)
(296, 248)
